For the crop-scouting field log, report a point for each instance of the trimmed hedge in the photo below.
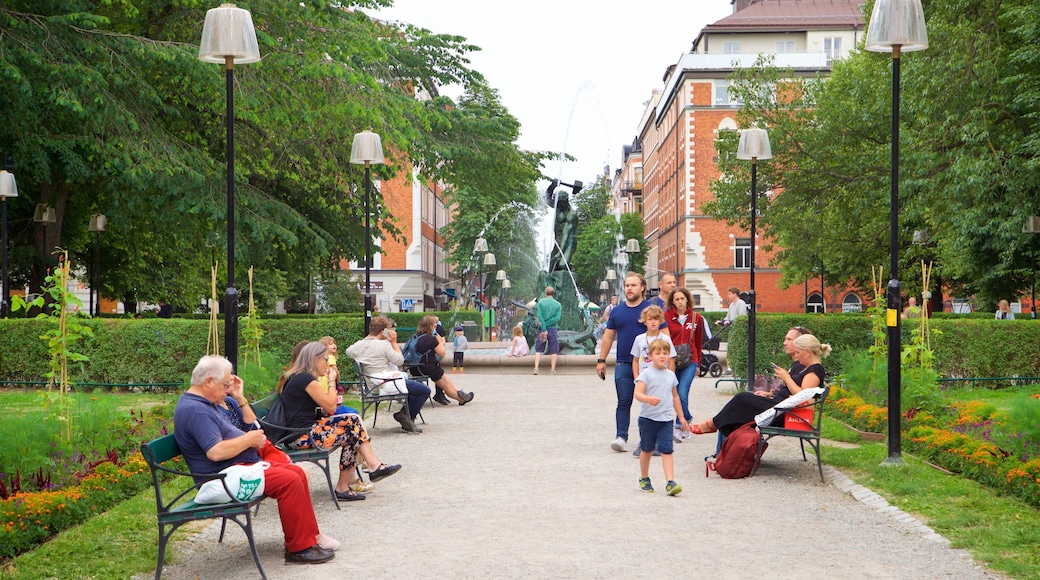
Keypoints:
(165, 351)
(963, 347)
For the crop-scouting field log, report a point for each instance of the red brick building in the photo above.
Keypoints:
(676, 146)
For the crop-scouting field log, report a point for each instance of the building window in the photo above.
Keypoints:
(742, 254)
(731, 47)
(832, 46)
(851, 303)
(723, 96)
(814, 303)
(783, 46)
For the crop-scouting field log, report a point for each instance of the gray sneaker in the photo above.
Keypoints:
(406, 422)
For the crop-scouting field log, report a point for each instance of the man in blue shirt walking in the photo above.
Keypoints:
(624, 324)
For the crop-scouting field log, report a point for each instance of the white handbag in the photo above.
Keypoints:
(246, 483)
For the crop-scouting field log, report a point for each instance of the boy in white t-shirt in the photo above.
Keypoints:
(656, 390)
(653, 318)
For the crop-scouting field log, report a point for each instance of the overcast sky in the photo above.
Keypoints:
(576, 73)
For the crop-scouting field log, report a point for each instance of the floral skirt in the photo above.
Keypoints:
(344, 431)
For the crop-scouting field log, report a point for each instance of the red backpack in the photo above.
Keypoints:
(736, 459)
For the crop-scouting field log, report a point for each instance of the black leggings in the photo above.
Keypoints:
(458, 358)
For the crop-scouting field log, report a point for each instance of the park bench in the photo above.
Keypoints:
(182, 508)
(371, 396)
(315, 455)
(797, 425)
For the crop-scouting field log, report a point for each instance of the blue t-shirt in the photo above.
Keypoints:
(624, 320)
(198, 425)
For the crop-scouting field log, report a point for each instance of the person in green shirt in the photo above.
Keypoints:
(549, 312)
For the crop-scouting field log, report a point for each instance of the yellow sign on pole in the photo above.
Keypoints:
(891, 317)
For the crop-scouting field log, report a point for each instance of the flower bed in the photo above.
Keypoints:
(27, 519)
(33, 510)
(954, 445)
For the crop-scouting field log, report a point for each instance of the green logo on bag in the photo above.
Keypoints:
(247, 488)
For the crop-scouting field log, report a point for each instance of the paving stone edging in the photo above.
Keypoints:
(870, 498)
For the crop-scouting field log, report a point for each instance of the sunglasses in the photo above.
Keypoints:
(801, 330)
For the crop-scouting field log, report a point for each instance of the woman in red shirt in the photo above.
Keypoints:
(686, 329)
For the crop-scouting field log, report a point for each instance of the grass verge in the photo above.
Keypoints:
(1000, 532)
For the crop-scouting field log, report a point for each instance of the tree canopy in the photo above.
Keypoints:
(108, 110)
(968, 156)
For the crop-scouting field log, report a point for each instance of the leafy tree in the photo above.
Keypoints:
(967, 155)
(598, 248)
(109, 110)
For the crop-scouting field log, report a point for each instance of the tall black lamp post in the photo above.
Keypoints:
(228, 37)
(97, 225)
(8, 188)
(367, 149)
(896, 26)
(754, 145)
(489, 263)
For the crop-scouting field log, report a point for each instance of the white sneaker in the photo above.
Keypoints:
(619, 445)
(677, 435)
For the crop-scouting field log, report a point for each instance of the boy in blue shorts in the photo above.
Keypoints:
(656, 390)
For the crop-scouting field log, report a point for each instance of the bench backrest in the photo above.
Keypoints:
(161, 450)
(263, 406)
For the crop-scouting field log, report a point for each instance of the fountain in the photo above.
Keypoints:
(576, 325)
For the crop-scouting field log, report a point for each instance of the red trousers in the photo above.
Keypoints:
(287, 483)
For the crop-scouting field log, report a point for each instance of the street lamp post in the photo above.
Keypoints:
(503, 309)
(896, 26)
(8, 188)
(368, 149)
(754, 145)
(611, 280)
(44, 215)
(500, 276)
(97, 225)
(228, 37)
(489, 261)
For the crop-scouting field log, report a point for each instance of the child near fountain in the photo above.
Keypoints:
(460, 343)
(520, 346)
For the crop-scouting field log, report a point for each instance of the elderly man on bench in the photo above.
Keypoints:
(209, 443)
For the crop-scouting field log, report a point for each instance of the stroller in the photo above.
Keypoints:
(709, 360)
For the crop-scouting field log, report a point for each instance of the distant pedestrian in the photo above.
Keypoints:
(165, 310)
(737, 306)
(459, 343)
(656, 390)
(912, 310)
(625, 325)
(520, 346)
(665, 285)
(1004, 311)
(549, 312)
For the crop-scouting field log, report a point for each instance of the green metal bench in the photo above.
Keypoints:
(810, 431)
(315, 455)
(371, 397)
(182, 508)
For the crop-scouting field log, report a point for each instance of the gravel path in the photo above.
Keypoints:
(522, 483)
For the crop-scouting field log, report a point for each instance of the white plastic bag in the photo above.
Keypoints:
(246, 482)
(390, 383)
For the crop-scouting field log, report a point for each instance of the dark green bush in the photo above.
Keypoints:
(964, 346)
(155, 350)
